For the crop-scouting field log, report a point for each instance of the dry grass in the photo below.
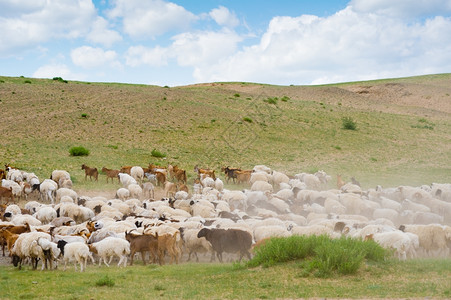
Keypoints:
(203, 124)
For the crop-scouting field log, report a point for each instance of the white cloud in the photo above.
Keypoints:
(140, 55)
(224, 17)
(204, 47)
(33, 22)
(57, 70)
(89, 57)
(101, 34)
(402, 8)
(346, 46)
(143, 19)
(201, 48)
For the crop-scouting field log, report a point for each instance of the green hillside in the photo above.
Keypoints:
(403, 133)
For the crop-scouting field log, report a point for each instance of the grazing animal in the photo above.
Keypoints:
(228, 240)
(6, 193)
(203, 172)
(340, 182)
(110, 174)
(91, 172)
(142, 243)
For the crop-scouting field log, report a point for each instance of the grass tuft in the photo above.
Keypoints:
(105, 281)
(348, 123)
(322, 255)
(158, 154)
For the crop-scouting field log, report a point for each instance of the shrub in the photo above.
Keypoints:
(236, 95)
(156, 153)
(348, 123)
(247, 119)
(84, 116)
(105, 281)
(321, 255)
(59, 79)
(270, 100)
(27, 81)
(285, 98)
(78, 151)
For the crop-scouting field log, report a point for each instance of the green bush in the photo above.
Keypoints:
(78, 151)
(59, 79)
(27, 81)
(105, 281)
(321, 255)
(270, 100)
(247, 119)
(236, 95)
(348, 123)
(84, 116)
(156, 153)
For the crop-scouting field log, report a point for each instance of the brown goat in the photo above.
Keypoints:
(18, 229)
(91, 172)
(243, 176)
(2, 174)
(9, 238)
(6, 193)
(126, 169)
(110, 174)
(142, 243)
(208, 172)
(161, 178)
(168, 243)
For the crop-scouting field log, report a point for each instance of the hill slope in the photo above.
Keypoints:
(403, 131)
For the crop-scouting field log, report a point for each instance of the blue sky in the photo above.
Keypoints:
(184, 42)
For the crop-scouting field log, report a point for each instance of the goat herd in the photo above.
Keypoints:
(207, 220)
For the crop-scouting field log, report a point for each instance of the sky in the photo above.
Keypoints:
(184, 42)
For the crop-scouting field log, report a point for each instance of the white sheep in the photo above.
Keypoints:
(66, 192)
(137, 173)
(397, 240)
(24, 219)
(149, 190)
(135, 191)
(279, 178)
(261, 168)
(219, 185)
(208, 182)
(47, 190)
(123, 194)
(193, 244)
(14, 186)
(126, 179)
(58, 175)
(235, 199)
(262, 186)
(260, 176)
(263, 232)
(317, 230)
(386, 213)
(110, 247)
(77, 252)
(45, 214)
(433, 238)
(388, 203)
(202, 210)
(26, 246)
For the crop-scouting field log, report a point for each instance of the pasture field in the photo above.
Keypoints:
(413, 279)
(403, 127)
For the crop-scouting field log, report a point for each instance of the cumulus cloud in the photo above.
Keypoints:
(403, 8)
(57, 70)
(144, 19)
(140, 55)
(349, 45)
(89, 57)
(101, 34)
(188, 49)
(33, 22)
(224, 17)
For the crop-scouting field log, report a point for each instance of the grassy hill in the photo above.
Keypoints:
(403, 133)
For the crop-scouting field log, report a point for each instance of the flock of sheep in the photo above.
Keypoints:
(209, 219)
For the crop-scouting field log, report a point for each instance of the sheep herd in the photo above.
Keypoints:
(207, 219)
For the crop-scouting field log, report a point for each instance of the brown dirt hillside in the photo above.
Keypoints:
(403, 131)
